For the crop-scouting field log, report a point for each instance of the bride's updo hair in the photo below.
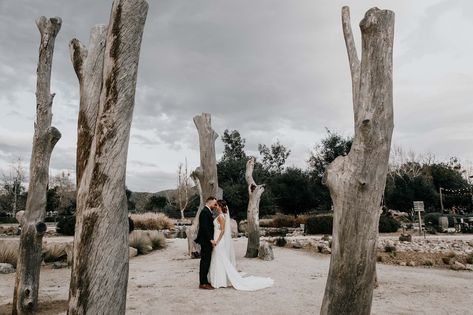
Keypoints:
(223, 204)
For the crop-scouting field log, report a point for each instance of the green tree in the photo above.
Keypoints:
(234, 146)
(274, 157)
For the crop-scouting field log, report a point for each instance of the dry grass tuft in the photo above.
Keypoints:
(9, 252)
(158, 241)
(151, 221)
(141, 241)
(54, 251)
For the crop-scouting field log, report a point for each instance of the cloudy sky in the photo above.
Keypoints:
(272, 69)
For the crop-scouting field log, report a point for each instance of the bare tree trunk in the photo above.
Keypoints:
(100, 267)
(356, 181)
(25, 297)
(88, 65)
(254, 192)
(193, 247)
(205, 175)
(207, 171)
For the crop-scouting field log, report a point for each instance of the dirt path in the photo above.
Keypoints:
(165, 282)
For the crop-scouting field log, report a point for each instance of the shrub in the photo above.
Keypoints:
(388, 224)
(158, 241)
(282, 220)
(428, 262)
(380, 258)
(266, 223)
(66, 225)
(9, 252)
(54, 251)
(151, 221)
(321, 224)
(281, 242)
(141, 241)
(389, 248)
(446, 260)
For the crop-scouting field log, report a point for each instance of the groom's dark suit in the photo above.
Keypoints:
(204, 236)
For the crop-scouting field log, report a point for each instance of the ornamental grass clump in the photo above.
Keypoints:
(9, 252)
(141, 241)
(151, 221)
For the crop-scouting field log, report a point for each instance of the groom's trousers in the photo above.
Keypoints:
(205, 256)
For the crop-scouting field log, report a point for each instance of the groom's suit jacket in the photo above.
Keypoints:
(206, 227)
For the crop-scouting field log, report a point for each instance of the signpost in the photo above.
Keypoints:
(419, 207)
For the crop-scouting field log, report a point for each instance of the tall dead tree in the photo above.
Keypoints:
(205, 174)
(254, 191)
(182, 189)
(25, 297)
(101, 238)
(356, 181)
(88, 65)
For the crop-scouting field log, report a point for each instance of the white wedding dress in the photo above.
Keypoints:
(222, 272)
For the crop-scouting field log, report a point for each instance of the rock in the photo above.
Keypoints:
(234, 225)
(243, 226)
(132, 252)
(469, 267)
(405, 238)
(326, 250)
(19, 216)
(266, 251)
(6, 268)
(458, 266)
(59, 264)
(296, 244)
(402, 263)
(411, 263)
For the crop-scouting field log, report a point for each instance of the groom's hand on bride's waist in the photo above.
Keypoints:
(213, 243)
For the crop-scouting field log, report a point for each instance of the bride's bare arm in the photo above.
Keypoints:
(221, 221)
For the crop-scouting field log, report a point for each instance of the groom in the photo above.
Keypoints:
(205, 237)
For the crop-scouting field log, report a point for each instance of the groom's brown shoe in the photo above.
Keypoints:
(206, 287)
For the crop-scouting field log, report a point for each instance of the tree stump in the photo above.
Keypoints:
(356, 181)
(25, 297)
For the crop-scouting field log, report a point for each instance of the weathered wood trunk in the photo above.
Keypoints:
(88, 65)
(100, 268)
(356, 181)
(207, 171)
(254, 192)
(193, 247)
(25, 297)
(205, 175)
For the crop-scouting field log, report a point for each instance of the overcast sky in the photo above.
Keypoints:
(272, 69)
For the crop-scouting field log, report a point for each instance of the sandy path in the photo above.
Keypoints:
(165, 282)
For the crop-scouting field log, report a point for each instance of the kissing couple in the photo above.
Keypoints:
(217, 255)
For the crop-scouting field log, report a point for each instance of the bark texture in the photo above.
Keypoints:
(193, 247)
(100, 268)
(25, 297)
(254, 191)
(205, 175)
(88, 65)
(356, 181)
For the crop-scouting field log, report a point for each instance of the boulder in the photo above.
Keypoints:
(458, 266)
(405, 238)
(234, 225)
(6, 268)
(132, 252)
(402, 263)
(296, 244)
(266, 251)
(19, 216)
(411, 263)
(243, 226)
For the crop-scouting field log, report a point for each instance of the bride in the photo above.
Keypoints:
(222, 272)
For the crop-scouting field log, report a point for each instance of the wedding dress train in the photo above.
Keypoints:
(223, 273)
